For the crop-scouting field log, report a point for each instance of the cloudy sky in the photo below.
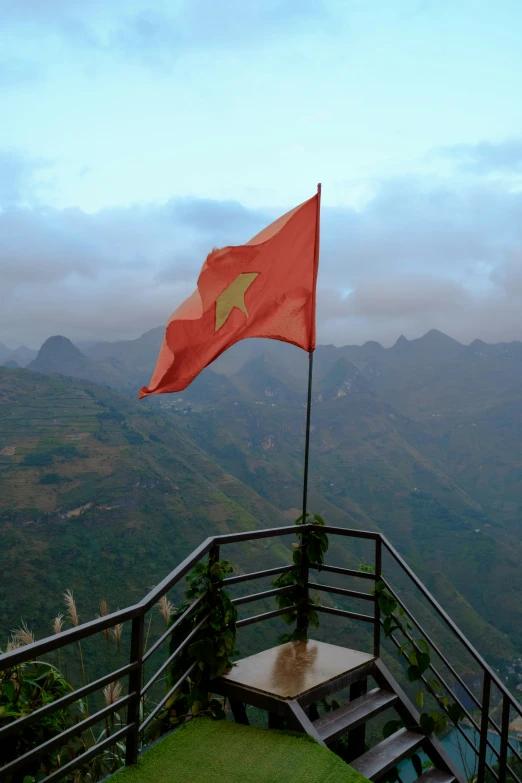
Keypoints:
(138, 134)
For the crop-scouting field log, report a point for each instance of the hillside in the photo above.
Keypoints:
(367, 472)
(420, 440)
(101, 496)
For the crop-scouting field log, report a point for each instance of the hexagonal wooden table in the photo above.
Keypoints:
(286, 679)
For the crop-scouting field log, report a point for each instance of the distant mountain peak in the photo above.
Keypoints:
(59, 355)
(402, 343)
(58, 347)
(373, 345)
(435, 335)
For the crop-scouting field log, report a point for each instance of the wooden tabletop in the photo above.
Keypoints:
(292, 669)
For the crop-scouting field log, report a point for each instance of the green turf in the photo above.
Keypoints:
(207, 751)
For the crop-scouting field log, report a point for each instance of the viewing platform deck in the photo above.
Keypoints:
(207, 751)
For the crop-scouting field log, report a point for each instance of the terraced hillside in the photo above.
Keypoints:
(100, 496)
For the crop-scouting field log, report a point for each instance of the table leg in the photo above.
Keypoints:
(239, 712)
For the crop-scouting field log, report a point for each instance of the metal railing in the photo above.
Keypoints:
(486, 754)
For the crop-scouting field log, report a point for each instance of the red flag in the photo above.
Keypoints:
(265, 288)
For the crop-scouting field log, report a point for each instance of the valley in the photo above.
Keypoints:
(416, 441)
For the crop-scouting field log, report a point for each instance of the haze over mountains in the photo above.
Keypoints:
(420, 440)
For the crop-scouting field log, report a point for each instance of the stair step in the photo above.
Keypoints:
(436, 776)
(353, 714)
(387, 754)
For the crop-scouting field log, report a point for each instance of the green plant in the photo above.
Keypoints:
(210, 649)
(50, 478)
(24, 689)
(29, 686)
(309, 549)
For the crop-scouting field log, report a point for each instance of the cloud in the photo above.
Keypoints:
(403, 296)
(486, 157)
(418, 256)
(154, 33)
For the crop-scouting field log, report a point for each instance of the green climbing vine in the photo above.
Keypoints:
(211, 646)
(309, 549)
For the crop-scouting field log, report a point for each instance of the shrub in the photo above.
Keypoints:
(66, 451)
(134, 437)
(37, 460)
(50, 478)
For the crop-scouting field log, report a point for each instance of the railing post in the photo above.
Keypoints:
(484, 725)
(377, 609)
(213, 557)
(504, 735)
(302, 616)
(135, 681)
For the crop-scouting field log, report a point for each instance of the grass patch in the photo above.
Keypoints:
(207, 751)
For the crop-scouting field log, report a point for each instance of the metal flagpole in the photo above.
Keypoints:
(311, 359)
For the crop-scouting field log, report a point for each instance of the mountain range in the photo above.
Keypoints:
(420, 440)
(19, 357)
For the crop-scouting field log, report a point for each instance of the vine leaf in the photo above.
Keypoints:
(427, 723)
(455, 712)
(391, 727)
(417, 764)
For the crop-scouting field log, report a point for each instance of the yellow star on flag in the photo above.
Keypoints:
(233, 296)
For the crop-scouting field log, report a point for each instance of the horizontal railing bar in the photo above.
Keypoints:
(350, 532)
(246, 599)
(58, 640)
(285, 530)
(342, 591)
(513, 774)
(432, 644)
(514, 751)
(55, 642)
(173, 627)
(492, 771)
(233, 580)
(174, 654)
(266, 616)
(366, 618)
(150, 717)
(454, 628)
(61, 739)
(343, 571)
(19, 724)
(166, 584)
(79, 761)
(498, 730)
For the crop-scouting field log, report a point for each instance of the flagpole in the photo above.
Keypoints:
(311, 360)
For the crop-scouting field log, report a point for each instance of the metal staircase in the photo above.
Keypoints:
(250, 683)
